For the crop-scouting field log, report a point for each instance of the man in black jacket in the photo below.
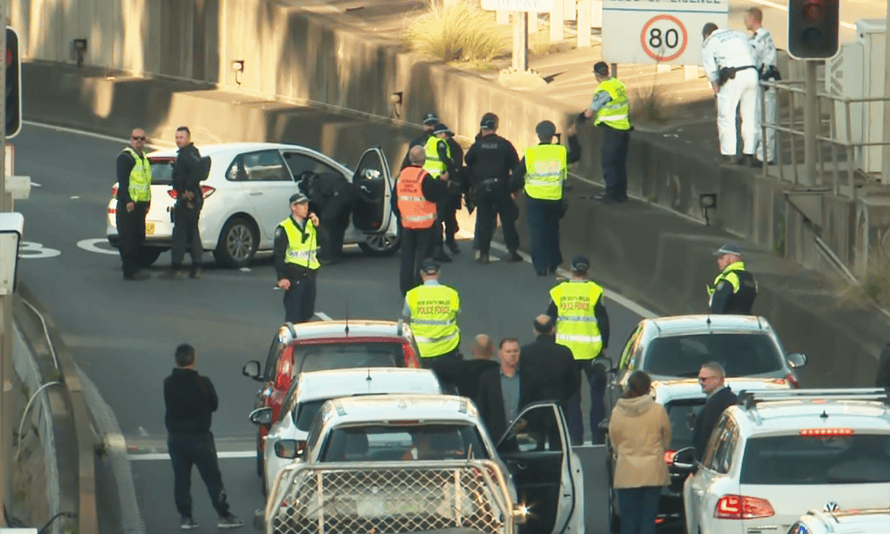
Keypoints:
(463, 375)
(188, 171)
(550, 367)
(333, 198)
(711, 377)
(191, 400)
(429, 121)
(502, 391)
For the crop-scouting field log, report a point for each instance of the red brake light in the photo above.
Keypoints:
(282, 377)
(114, 191)
(792, 380)
(669, 456)
(826, 432)
(172, 193)
(404, 422)
(206, 190)
(741, 507)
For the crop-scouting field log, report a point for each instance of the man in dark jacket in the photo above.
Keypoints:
(463, 375)
(502, 391)
(711, 376)
(429, 121)
(190, 400)
(550, 367)
(133, 203)
(188, 171)
(333, 198)
(452, 205)
(883, 378)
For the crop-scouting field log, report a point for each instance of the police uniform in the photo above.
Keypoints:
(458, 186)
(333, 198)
(489, 162)
(766, 58)
(543, 170)
(133, 185)
(296, 259)
(429, 120)
(734, 289)
(731, 50)
(416, 196)
(612, 110)
(582, 325)
(439, 161)
(432, 309)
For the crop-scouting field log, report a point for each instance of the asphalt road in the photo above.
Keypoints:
(123, 333)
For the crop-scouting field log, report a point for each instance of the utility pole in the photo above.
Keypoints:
(6, 368)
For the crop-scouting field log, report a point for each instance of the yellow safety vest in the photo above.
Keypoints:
(546, 167)
(576, 324)
(302, 247)
(616, 112)
(434, 311)
(140, 177)
(433, 164)
(730, 275)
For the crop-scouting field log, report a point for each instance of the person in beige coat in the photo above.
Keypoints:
(639, 430)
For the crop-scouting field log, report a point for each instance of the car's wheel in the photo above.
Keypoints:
(380, 244)
(148, 255)
(237, 243)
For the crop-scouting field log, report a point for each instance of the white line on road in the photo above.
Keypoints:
(323, 316)
(782, 7)
(91, 245)
(75, 197)
(35, 184)
(165, 456)
(154, 144)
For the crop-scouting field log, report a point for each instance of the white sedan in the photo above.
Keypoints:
(245, 197)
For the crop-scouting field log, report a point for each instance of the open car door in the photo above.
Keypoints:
(374, 187)
(537, 450)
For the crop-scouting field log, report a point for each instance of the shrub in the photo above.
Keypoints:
(874, 282)
(460, 32)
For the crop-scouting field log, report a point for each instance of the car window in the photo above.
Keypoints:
(682, 415)
(841, 459)
(711, 447)
(536, 430)
(304, 413)
(632, 342)
(300, 163)
(739, 354)
(370, 442)
(725, 447)
(265, 166)
(346, 356)
(272, 358)
(161, 171)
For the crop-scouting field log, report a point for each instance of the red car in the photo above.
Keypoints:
(318, 346)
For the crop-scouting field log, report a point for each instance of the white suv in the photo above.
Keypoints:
(851, 522)
(246, 194)
(780, 453)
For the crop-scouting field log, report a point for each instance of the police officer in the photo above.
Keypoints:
(432, 309)
(188, 171)
(133, 202)
(489, 162)
(765, 58)
(429, 120)
(612, 110)
(416, 196)
(459, 187)
(296, 260)
(439, 161)
(544, 169)
(333, 197)
(582, 325)
(734, 289)
(728, 60)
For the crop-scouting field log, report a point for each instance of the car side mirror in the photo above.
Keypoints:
(684, 459)
(252, 369)
(797, 359)
(604, 426)
(289, 449)
(261, 416)
(607, 363)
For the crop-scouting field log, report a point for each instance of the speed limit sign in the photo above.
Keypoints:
(658, 31)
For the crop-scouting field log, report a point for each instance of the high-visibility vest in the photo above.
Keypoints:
(302, 247)
(616, 112)
(434, 319)
(546, 168)
(140, 177)
(744, 288)
(434, 164)
(416, 211)
(576, 324)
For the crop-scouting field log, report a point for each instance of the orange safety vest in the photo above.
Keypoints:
(417, 212)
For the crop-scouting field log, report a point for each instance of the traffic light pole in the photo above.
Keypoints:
(6, 368)
(810, 124)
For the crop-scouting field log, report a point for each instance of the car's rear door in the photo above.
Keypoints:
(269, 185)
(158, 224)
(374, 185)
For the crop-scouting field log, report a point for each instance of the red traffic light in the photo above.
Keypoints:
(813, 10)
(813, 28)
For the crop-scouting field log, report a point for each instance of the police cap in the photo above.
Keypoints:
(488, 124)
(600, 67)
(545, 129)
(580, 264)
(729, 248)
(429, 266)
(441, 128)
(298, 198)
(430, 118)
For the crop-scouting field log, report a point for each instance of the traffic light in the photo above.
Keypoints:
(812, 28)
(13, 84)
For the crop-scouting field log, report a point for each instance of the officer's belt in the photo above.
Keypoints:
(489, 181)
(431, 322)
(577, 318)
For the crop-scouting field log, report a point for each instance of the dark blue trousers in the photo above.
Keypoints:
(299, 300)
(638, 508)
(543, 233)
(596, 379)
(614, 157)
(200, 451)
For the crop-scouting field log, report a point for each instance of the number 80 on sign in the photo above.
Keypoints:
(664, 38)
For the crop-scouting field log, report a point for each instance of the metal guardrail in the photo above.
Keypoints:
(794, 92)
(389, 497)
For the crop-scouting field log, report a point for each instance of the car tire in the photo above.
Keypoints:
(148, 255)
(237, 243)
(380, 244)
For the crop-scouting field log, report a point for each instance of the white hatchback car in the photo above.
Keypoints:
(312, 389)
(778, 454)
(245, 197)
(846, 522)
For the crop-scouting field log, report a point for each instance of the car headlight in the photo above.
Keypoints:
(520, 514)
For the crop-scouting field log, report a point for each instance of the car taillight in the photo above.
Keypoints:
(114, 191)
(172, 193)
(206, 190)
(825, 432)
(792, 380)
(669, 456)
(742, 507)
(283, 378)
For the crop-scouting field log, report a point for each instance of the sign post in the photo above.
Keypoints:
(521, 9)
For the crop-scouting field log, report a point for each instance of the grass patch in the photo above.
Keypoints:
(539, 42)
(648, 105)
(874, 283)
(461, 32)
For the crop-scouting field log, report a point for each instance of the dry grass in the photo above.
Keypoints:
(539, 42)
(462, 33)
(647, 105)
(874, 283)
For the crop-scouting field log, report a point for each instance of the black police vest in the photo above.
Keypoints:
(741, 302)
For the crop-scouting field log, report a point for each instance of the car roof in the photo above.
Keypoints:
(702, 324)
(688, 388)
(357, 328)
(225, 148)
(865, 520)
(383, 408)
(790, 416)
(328, 384)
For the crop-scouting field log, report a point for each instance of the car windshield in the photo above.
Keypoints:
(682, 415)
(800, 460)
(739, 354)
(409, 441)
(161, 171)
(327, 356)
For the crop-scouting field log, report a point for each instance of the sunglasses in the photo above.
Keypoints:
(137, 138)
(704, 378)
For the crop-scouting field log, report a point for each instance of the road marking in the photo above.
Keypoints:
(785, 8)
(75, 197)
(35, 184)
(35, 251)
(244, 269)
(90, 245)
(154, 144)
(165, 456)
(323, 316)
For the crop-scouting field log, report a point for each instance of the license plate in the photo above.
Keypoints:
(149, 228)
